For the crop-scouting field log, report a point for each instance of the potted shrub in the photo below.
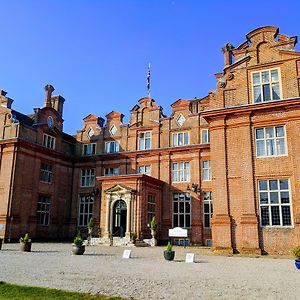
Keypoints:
(296, 254)
(78, 246)
(133, 237)
(169, 254)
(90, 227)
(153, 226)
(25, 243)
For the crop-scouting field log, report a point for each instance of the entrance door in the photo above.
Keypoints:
(120, 218)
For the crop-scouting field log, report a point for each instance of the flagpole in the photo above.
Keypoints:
(148, 80)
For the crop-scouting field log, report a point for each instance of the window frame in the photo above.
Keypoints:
(270, 84)
(142, 142)
(184, 213)
(184, 135)
(181, 171)
(210, 209)
(85, 149)
(151, 207)
(279, 204)
(140, 171)
(204, 170)
(116, 146)
(207, 136)
(274, 139)
(43, 213)
(86, 210)
(87, 180)
(113, 173)
(46, 172)
(49, 141)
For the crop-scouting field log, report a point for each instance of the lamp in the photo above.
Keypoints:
(194, 188)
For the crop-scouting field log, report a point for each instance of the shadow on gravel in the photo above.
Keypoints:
(195, 262)
(45, 251)
(97, 254)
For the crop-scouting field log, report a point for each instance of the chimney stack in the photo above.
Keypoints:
(49, 89)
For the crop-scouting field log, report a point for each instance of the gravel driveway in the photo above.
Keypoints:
(148, 276)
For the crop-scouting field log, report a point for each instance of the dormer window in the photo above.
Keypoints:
(266, 85)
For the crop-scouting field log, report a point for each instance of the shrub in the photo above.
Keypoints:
(90, 224)
(169, 247)
(296, 252)
(153, 224)
(26, 238)
(78, 241)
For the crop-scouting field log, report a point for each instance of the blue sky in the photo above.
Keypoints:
(96, 53)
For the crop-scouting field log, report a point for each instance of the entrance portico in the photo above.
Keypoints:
(124, 205)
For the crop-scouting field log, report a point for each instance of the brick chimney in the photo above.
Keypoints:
(49, 89)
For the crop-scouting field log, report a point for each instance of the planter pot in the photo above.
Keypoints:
(1, 243)
(25, 246)
(297, 263)
(78, 250)
(169, 255)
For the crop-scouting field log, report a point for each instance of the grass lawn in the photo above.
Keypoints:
(18, 292)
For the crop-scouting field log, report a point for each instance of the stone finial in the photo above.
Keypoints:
(2, 93)
(49, 89)
(227, 50)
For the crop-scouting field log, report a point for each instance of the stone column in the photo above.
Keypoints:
(107, 216)
(128, 218)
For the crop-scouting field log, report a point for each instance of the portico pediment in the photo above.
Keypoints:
(118, 189)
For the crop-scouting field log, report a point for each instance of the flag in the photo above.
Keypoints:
(148, 80)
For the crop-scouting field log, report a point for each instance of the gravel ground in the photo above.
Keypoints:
(148, 276)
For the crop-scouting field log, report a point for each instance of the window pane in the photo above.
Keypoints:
(279, 131)
(265, 76)
(260, 133)
(273, 185)
(274, 197)
(256, 78)
(274, 75)
(266, 92)
(206, 208)
(275, 91)
(181, 207)
(269, 132)
(257, 94)
(275, 215)
(188, 221)
(280, 146)
(270, 147)
(284, 197)
(175, 220)
(187, 207)
(265, 219)
(260, 148)
(263, 185)
(286, 216)
(263, 198)
(181, 220)
(284, 184)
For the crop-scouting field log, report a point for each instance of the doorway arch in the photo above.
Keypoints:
(119, 218)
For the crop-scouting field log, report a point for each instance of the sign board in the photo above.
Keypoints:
(178, 232)
(190, 258)
(126, 253)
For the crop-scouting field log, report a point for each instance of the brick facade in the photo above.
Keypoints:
(51, 182)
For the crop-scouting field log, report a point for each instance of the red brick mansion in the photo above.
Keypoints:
(226, 167)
